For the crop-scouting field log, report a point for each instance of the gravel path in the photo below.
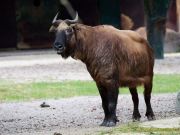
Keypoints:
(74, 116)
(79, 115)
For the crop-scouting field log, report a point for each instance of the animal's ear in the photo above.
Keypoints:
(75, 26)
(53, 29)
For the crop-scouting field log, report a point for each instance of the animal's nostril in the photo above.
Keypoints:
(57, 44)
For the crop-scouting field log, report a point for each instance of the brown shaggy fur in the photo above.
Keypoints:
(122, 56)
(126, 22)
(114, 58)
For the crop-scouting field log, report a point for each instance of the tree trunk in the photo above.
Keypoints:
(156, 12)
(178, 14)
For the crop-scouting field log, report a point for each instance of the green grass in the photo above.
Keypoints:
(45, 90)
(135, 128)
(10, 91)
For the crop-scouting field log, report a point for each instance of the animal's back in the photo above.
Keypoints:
(131, 55)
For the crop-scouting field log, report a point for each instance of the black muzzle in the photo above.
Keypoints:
(59, 47)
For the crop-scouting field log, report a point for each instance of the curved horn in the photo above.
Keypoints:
(55, 19)
(76, 19)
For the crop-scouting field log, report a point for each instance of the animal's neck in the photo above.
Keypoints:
(83, 42)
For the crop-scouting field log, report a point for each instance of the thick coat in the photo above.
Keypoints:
(114, 58)
(120, 56)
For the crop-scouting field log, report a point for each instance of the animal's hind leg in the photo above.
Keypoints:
(147, 96)
(136, 115)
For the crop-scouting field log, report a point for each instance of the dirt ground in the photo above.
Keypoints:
(71, 116)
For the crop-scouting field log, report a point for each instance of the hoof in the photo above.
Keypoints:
(151, 117)
(109, 123)
(136, 117)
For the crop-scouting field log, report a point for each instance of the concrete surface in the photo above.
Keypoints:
(163, 123)
(46, 65)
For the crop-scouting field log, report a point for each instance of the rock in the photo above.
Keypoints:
(57, 133)
(178, 103)
(44, 105)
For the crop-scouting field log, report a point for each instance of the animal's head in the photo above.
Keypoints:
(63, 30)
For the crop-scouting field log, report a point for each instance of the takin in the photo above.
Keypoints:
(114, 58)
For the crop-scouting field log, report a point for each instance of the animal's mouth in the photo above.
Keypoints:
(60, 51)
(59, 47)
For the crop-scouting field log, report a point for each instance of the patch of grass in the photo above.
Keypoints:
(135, 128)
(46, 90)
(163, 84)
(10, 91)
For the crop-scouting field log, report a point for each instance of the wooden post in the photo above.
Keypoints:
(178, 14)
(156, 11)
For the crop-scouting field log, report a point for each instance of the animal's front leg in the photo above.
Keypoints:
(102, 92)
(112, 96)
(109, 98)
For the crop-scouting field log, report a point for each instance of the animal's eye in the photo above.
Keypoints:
(69, 31)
